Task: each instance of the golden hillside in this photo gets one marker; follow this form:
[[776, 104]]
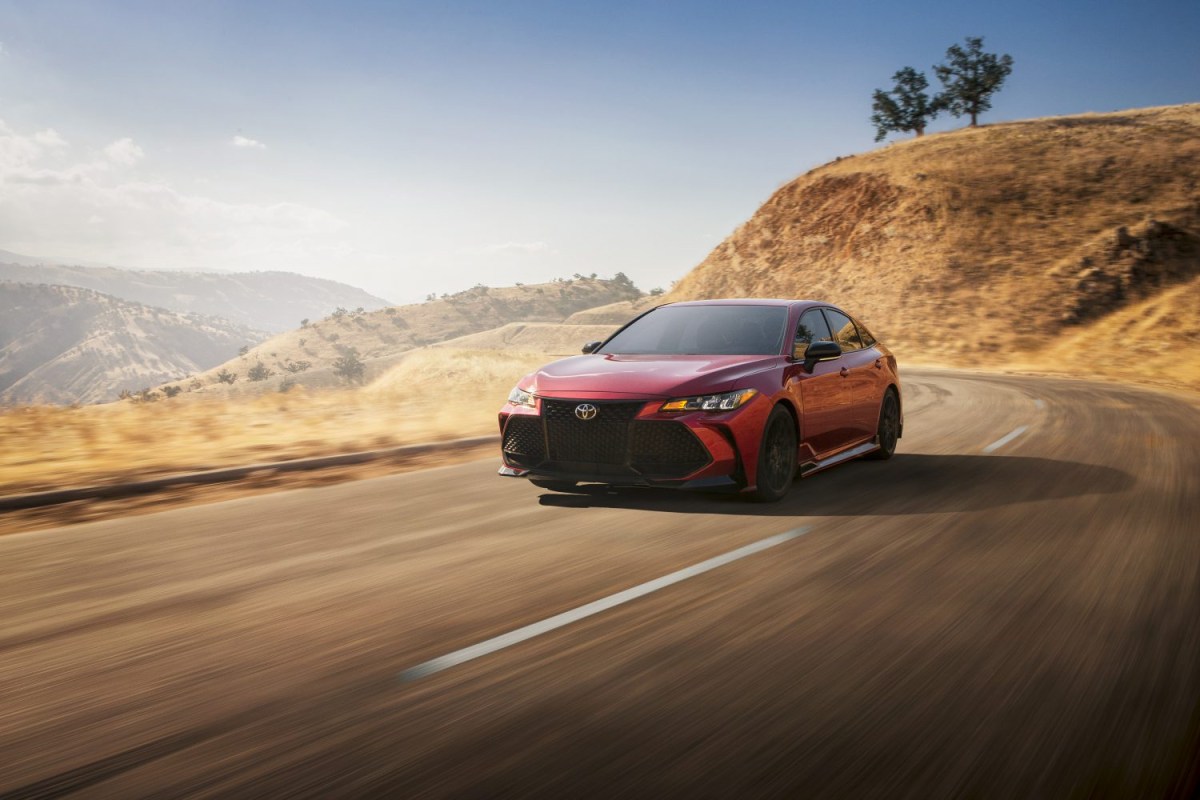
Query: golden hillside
[[382, 338], [1050, 243]]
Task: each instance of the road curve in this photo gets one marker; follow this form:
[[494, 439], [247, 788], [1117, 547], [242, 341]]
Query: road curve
[[1010, 607]]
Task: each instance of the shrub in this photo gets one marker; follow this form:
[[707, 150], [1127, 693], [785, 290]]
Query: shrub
[[297, 366], [243, 350], [349, 367], [286, 385], [259, 372], [171, 391], [225, 376]]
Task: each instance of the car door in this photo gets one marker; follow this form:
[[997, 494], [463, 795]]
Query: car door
[[858, 372], [819, 394]]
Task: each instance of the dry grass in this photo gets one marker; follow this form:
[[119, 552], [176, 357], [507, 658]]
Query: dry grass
[[537, 337], [429, 397]]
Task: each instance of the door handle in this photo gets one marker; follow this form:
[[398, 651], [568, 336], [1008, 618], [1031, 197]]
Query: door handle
[[845, 372], [879, 363]]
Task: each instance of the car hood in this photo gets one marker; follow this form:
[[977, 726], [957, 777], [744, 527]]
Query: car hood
[[617, 376]]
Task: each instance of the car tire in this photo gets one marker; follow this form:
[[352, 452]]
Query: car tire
[[554, 486], [776, 458], [888, 432]]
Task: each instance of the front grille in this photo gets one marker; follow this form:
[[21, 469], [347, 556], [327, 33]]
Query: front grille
[[613, 443], [601, 440], [524, 444], [667, 449]]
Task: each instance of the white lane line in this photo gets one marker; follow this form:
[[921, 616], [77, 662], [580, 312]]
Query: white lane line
[[1005, 439], [603, 604]]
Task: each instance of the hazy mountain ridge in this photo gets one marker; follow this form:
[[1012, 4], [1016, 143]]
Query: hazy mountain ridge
[[380, 339], [1019, 243], [64, 344], [271, 301]]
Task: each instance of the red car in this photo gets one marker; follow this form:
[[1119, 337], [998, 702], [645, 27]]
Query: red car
[[738, 394]]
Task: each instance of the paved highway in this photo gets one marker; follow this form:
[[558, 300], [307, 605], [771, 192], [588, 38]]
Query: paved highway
[[1010, 607]]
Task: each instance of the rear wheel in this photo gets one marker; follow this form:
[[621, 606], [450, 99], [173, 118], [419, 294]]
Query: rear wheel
[[889, 427], [554, 486], [776, 457]]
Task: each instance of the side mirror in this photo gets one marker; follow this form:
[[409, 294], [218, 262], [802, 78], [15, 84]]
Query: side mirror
[[820, 351], [591, 347]]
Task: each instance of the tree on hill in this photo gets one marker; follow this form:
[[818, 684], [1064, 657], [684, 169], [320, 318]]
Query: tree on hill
[[970, 78], [259, 372], [349, 366], [906, 108]]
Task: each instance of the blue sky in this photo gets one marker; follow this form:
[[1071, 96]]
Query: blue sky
[[414, 148]]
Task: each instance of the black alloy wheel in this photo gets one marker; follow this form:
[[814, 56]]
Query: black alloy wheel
[[889, 427], [776, 457]]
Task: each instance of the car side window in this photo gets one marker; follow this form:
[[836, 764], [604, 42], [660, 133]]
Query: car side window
[[844, 332], [867, 339], [812, 328]]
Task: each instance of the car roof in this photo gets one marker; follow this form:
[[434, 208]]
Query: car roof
[[749, 301]]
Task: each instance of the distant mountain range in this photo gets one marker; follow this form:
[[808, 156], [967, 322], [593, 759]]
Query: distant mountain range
[[269, 301], [64, 344]]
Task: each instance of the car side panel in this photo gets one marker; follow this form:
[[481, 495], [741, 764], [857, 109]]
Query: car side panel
[[865, 384], [824, 411]]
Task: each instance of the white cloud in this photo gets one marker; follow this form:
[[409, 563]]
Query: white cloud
[[518, 248], [124, 152], [244, 141], [54, 199]]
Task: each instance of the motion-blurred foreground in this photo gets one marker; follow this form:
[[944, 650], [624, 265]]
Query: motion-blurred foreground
[[429, 396], [954, 622]]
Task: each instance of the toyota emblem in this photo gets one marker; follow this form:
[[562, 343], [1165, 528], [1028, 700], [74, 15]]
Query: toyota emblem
[[585, 411]]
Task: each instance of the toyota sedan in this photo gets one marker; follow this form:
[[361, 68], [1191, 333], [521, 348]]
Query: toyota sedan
[[719, 394]]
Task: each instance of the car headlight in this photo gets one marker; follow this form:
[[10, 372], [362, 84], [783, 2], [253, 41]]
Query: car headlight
[[520, 397], [711, 402]]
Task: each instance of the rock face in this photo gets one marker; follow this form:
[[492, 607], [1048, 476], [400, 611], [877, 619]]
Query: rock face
[[270, 301], [970, 246], [1124, 267], [63, 344]]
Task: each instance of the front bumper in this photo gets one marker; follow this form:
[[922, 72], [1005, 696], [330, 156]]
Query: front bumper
[[627, 443]]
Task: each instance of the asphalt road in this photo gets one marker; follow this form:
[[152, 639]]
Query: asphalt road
[[1018, 620]]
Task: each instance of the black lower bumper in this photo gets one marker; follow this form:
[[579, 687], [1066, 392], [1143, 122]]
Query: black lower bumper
[[711, 484]]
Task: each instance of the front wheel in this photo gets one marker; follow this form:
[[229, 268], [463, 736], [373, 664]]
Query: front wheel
[[554, 486], [889, 427], [776, 457]]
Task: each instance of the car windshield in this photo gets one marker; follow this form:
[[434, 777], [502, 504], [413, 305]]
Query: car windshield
[[703, 330]]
